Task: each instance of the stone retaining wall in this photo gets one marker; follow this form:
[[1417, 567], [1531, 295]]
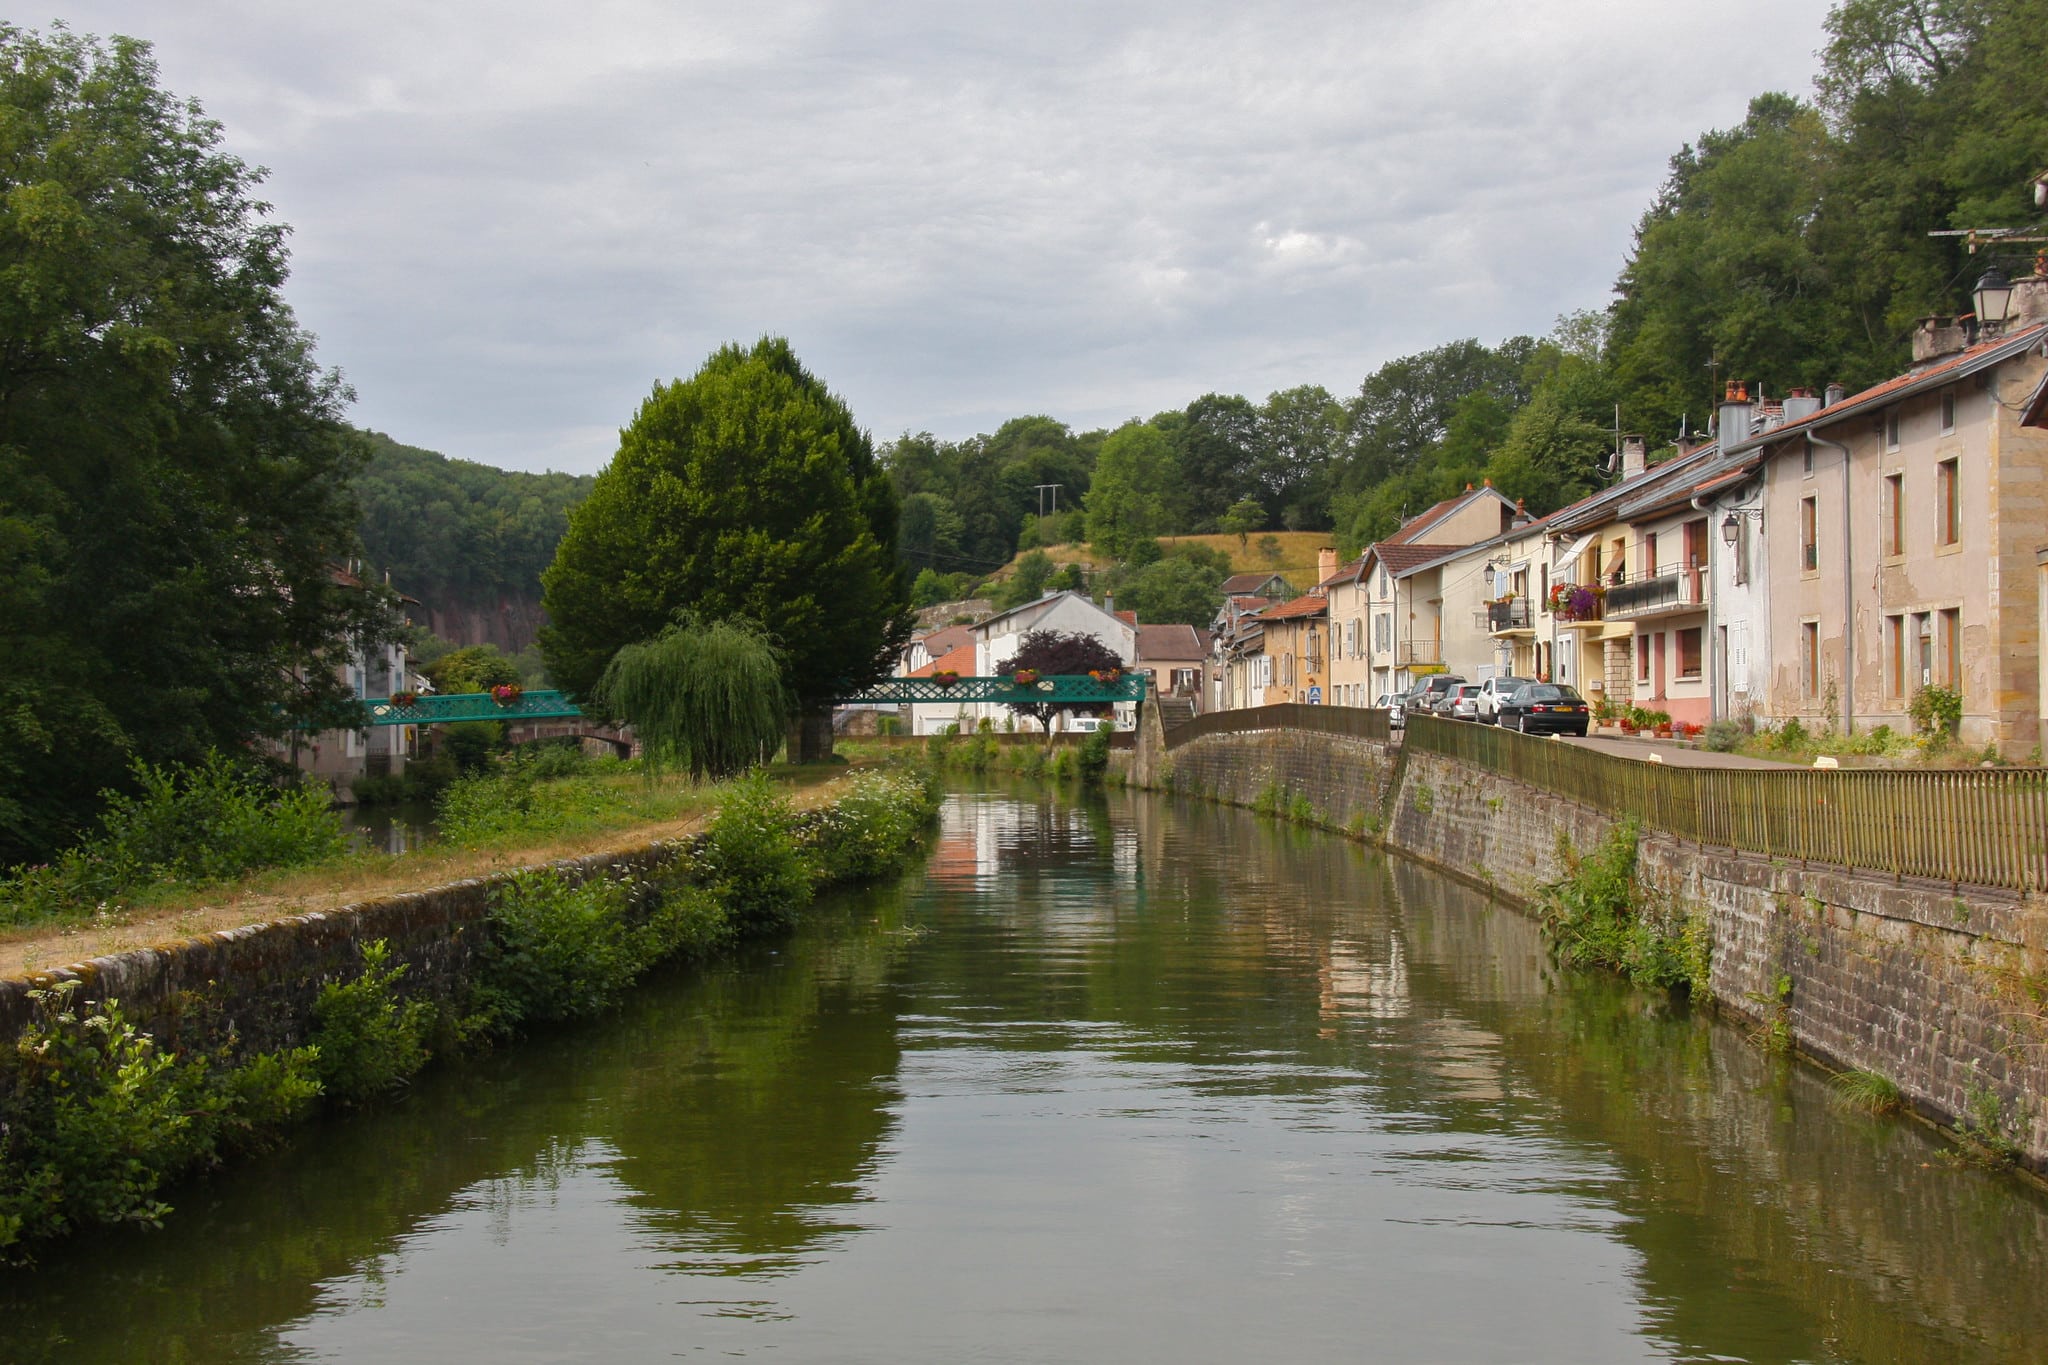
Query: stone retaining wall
[[260, 982], [1937, 987]]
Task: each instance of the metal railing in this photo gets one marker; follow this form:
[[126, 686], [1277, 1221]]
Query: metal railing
[[1985, 827], [1419, 652], [1500, 616], [1355, 721], [1681, 589]]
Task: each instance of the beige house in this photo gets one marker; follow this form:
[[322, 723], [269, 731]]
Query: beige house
[[1904, 524]]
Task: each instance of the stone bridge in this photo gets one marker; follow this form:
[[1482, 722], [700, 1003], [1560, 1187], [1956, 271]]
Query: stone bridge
[[618, 738]]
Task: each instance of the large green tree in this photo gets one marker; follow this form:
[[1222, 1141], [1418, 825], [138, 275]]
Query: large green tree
[[1127, 502], [174, 475], [745, 491]]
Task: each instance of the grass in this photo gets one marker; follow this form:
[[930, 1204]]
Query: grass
[[609, 812], [1868, 1092], [1296, 562]]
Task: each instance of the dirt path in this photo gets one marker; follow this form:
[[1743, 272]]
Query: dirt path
[[278, 895]]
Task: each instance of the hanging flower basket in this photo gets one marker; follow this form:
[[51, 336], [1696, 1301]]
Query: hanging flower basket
[[507, 694], [405, 698], [946, 679], [1105, 676], [1026, 677]]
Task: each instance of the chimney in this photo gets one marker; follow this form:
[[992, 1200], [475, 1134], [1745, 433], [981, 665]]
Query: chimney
[[1731, 423], [1326, 563], [1522, 517], [1635, 457], [2029, 303], [1109, 603], [1935, 336], [1801, 405], [1835, 394]]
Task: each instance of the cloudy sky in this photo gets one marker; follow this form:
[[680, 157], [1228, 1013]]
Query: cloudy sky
[[512, 219]]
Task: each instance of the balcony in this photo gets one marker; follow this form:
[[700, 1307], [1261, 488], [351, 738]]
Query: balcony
[[1506, 618], [1577, 604], [1419, 653], [1671, 593]]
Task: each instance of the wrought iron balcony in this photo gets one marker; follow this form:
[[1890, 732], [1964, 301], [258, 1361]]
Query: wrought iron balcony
[[1414, 652], [1671, 593], [1502, 618]]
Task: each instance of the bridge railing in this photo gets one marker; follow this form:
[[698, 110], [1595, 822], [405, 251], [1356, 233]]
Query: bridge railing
[[444, 708], [1356, 721]]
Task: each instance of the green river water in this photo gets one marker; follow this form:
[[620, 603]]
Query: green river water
[[1124, 1080]]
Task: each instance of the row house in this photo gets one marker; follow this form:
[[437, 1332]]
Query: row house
[[1904, 526]]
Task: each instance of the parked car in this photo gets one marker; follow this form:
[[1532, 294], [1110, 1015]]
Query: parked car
[[1422, 697], [1490, 693], [1461, 702], [1545, 708], [1088, 725]]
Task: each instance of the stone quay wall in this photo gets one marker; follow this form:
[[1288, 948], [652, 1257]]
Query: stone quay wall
[[1936, 986], [258, 984]]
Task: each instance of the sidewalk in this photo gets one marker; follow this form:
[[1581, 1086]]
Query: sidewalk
[[1672, 752]]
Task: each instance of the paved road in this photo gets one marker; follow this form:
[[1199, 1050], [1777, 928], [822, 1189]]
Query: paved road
[[1675, 754]]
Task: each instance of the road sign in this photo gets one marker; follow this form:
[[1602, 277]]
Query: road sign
[[1315, 696]]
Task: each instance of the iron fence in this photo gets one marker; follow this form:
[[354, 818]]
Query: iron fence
[[1982, 826]]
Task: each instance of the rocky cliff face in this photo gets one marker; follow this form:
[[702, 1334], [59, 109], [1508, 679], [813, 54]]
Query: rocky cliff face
[[509, 621]]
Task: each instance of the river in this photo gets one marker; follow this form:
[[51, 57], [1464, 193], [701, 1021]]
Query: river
[[1127, 1080]]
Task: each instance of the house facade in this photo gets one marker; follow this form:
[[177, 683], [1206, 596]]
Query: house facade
[[1904, 525]]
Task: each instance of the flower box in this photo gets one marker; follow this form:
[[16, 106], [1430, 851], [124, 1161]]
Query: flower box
[[946, 679], [405, 698], [507, 694], [1026, 677]]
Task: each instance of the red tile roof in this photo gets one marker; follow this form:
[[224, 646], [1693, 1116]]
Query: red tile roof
[[1400, 558], [1308, 604], [946, 639], [959, 661]]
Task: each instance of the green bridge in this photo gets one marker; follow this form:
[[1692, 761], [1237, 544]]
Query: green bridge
[[445, 708], [1054, 689], [1051, 689]]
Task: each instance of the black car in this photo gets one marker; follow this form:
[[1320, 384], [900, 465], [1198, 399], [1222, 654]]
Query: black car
[[1545, 709]]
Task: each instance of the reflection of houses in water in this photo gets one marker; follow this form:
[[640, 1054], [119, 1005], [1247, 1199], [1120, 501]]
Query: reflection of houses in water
[[1358, 986], [981, 838]]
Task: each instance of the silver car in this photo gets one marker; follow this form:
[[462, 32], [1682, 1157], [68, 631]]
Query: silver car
[[1461, 702]]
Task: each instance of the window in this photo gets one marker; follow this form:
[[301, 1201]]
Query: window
[[1948, 412], [1894, 514], [1806, 460], [1650, 556], [1809, 658], [1891, 429], [1383, 631], [1642, 658], [1895, 656], [1690, 649], [1952, 649], [1947, 504], [1809, 534], [1923, 649]]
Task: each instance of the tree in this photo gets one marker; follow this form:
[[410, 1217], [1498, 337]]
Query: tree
[[174, 473], [744, 491], [1056, 651], [1178, 589], [473, 668], [705, 695], [1241, 519], [1127, 501]]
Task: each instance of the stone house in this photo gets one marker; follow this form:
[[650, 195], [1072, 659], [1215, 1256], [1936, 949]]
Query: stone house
[[1905, 524]]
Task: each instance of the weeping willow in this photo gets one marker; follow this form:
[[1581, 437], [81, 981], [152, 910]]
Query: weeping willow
[[706, 696]]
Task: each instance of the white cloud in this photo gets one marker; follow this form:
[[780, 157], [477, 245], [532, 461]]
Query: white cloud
[[512, 219]]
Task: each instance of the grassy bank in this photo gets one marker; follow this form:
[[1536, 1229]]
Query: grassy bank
[[211, 852], [98, 1118]]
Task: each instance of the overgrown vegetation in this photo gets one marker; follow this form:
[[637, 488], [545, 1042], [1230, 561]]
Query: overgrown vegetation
[[1594, 917], [1868, 1092], [180, 825], [96, 1119]]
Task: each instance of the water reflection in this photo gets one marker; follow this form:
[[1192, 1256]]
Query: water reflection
[[392, 829], [1110, 1080]]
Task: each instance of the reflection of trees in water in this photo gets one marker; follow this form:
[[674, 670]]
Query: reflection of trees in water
[[797, 1046]]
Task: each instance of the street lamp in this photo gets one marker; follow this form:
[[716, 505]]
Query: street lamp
[[1994, 298], [1731, 527]]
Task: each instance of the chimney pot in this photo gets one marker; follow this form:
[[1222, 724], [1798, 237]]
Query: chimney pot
[[1635, 456]]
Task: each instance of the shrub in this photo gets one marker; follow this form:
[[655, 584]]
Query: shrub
[[1591, 917], [369, 1042], [183, 824], [1937, 712], [869, 831], [1723, 736], [1790, 736], [1093, 760], [556, 950], [1868, 1091], [95, 1119], [751, 860]]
